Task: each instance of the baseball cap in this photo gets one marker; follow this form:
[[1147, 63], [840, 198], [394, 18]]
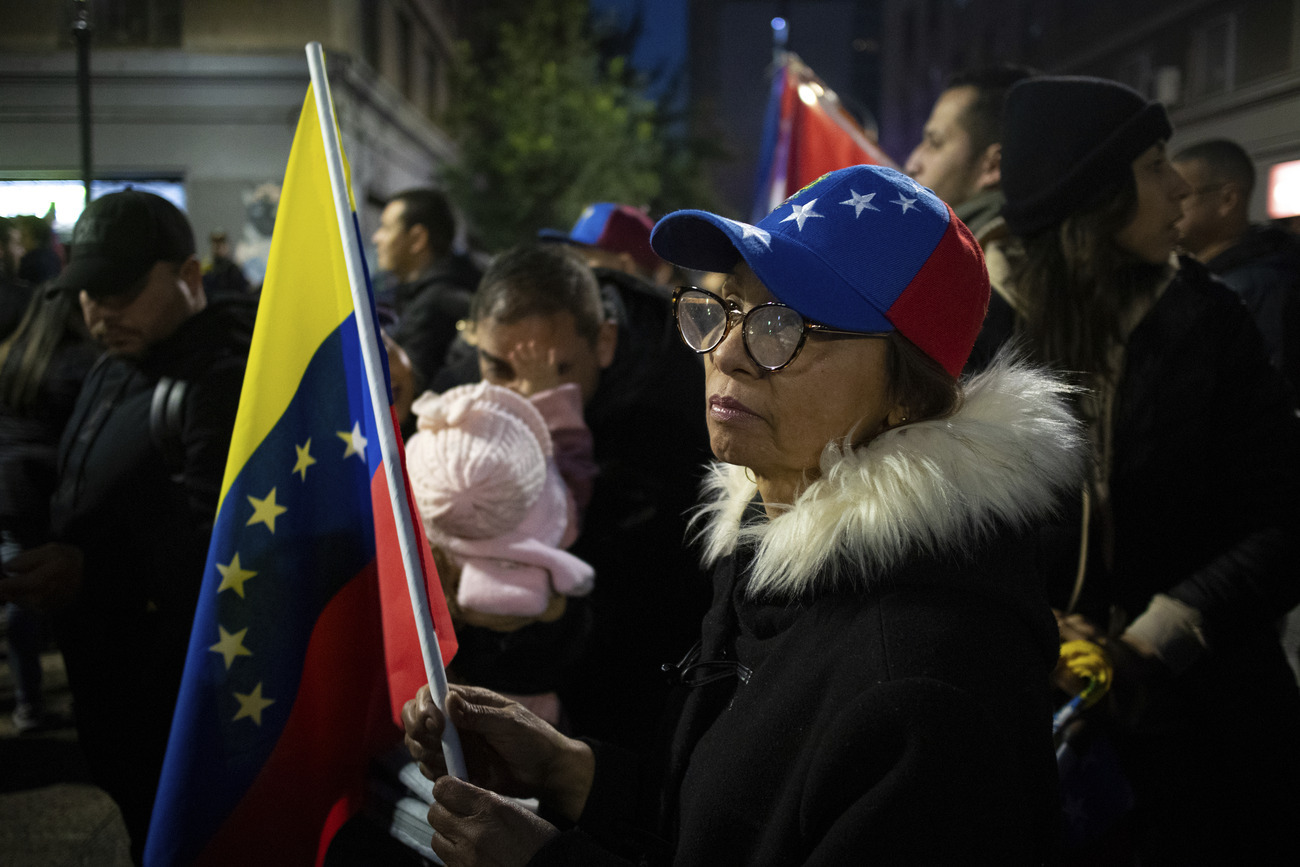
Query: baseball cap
[[613, 227], [119, 238], [863, 248]]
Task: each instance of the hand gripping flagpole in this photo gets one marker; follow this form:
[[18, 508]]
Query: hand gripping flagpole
[[406, 536]]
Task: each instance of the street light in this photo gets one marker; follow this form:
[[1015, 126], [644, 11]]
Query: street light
[[81, 36]]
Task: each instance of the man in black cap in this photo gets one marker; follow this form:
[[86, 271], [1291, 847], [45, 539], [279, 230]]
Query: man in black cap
[[140, 470]]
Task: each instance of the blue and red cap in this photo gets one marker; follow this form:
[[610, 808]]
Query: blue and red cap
[[613, 227], [864, 248]]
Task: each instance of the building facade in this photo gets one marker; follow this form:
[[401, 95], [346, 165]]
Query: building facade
[[1225, 68], [206, 94]]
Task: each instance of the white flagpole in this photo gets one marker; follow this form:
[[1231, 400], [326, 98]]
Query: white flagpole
[[406, 534]]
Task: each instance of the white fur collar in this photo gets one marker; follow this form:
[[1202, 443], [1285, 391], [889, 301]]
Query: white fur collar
[[936, 486]]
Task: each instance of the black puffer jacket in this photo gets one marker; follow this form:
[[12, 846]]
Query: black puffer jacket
[[143, 521]]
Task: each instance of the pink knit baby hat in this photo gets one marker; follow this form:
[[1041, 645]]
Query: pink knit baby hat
[[477, 461]]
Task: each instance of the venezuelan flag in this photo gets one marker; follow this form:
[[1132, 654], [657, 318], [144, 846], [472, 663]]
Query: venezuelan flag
[[806, 133], [304, 607]]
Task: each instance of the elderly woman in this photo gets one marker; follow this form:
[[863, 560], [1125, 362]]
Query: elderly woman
[[872, 675]]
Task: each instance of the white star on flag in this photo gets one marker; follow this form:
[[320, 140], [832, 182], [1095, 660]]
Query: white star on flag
[[747, 231], [904, 202], [860, 203], [800, 213], [356, 442]]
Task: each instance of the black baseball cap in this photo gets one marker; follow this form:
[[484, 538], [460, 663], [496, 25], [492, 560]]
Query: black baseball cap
[[119, 238]]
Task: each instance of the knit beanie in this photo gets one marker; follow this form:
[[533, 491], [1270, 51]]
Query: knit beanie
[[478, 460], [1066, 137]]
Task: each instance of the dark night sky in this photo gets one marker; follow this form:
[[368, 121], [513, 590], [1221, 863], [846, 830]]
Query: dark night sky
[[722, 51]]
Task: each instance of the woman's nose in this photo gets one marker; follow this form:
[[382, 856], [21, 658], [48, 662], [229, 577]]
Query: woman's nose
[[730, 352]]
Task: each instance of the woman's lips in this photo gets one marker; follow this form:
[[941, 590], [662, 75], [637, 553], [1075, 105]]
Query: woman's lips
[[729, 409]]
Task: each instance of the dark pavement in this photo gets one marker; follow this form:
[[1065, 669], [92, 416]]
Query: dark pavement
[[50, 814]]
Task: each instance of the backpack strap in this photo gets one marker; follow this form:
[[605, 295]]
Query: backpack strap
[[166, 416]]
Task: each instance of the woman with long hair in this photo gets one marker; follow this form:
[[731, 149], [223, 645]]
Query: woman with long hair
[[1185, 553], [42, 365]]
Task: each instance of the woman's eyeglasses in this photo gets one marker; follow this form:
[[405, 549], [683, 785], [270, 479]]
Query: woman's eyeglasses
[[773, 333]]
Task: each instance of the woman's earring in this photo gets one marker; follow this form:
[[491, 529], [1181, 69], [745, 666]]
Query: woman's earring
[[749, 474]]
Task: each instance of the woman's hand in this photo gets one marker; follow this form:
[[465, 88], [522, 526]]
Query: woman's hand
[[476, 828], [508, 750], [1140, 678], [1073, 627]]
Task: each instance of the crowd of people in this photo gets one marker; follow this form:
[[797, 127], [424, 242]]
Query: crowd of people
[[761, 541]]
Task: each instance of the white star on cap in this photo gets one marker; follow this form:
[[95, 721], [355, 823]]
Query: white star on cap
[[800, 213], [860, 203], [747, 231], [904, 202]]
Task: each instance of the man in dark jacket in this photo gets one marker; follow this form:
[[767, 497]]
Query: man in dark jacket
[[1260, 262], [139, 472], [959, 157], [223, 275], [434, 285]]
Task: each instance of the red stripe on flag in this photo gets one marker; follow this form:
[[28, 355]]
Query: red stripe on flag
[[819, 145], [405, 662], [294, 808]]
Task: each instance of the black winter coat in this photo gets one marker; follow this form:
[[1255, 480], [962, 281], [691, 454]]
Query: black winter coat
[[1205, 500], [1206, 497], [428, 309], [872, 686], [139, 500]]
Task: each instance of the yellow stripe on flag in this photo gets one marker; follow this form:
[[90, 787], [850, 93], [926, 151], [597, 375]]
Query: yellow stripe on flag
[[306, 283]]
